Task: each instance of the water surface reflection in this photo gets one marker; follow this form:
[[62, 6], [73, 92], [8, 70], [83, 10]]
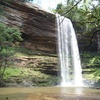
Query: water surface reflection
[[68, 93], [49, 93]]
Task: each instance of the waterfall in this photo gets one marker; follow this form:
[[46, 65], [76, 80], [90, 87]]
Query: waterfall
[[69, 59]]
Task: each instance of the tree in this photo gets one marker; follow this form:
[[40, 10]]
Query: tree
[[9, 38], [85, 18]]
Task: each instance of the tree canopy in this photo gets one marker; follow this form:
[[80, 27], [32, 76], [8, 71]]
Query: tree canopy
[[9, 35], [84, 15]]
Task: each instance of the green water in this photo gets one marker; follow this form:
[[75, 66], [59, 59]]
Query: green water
[[50, 93]]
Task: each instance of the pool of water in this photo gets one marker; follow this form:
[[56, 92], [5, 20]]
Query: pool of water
[[50, 93]]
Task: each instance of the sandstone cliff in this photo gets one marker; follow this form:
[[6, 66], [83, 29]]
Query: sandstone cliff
[[37, 26]]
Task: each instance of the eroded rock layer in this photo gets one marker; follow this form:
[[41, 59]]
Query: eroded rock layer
[[37, 26]]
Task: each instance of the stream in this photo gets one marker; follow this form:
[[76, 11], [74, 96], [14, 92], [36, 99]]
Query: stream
[[50, 93]]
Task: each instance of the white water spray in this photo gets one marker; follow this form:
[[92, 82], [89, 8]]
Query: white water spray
[[71, 72]]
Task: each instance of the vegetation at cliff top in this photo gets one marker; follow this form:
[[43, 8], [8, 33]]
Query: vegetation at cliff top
[[85, 18]]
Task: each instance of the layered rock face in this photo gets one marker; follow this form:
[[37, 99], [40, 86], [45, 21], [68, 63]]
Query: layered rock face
[[37, 26]]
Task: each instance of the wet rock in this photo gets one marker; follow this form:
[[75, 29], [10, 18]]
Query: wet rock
[[26, 84]]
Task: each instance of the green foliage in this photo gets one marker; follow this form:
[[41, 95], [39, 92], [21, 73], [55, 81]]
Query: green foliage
[[86, 4], [59, 8], [91, 61], [7, 51], [97, 73], [95, 60], [86, 21], [10, 72], [85, 17], [9, 37]]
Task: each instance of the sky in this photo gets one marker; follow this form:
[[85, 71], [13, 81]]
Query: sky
[[47, 4], [50, 4]]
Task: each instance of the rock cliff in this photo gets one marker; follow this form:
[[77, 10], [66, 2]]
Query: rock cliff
[[37, 26]]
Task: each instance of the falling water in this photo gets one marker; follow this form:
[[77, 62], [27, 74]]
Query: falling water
[[71, 72]]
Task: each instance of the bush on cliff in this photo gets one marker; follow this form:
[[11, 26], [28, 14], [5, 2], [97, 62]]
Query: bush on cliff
[[9, 38]]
